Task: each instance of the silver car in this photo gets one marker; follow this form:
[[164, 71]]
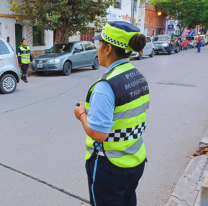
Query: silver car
[[147, 51], [67, 56], [9, 71]]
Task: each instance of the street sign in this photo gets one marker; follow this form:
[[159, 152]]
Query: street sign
[[191, 33], [170, 26]]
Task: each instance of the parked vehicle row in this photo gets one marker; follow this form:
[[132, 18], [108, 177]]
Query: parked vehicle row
[[192, 40], [67, 56]]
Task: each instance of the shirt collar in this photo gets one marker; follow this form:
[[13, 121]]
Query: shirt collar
[[121, 61]]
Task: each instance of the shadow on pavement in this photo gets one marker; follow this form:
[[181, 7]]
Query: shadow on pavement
[[59, 73]]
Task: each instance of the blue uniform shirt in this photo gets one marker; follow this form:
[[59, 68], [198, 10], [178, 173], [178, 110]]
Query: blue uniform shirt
[[102, 104]]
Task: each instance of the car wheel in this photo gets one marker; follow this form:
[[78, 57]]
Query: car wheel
[[177, 50], [170, 50], [67, 68], [96, 65], [8, 83], [152, 54], [139, 57]]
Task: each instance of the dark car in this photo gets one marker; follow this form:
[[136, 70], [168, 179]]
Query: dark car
[[166, 43], [67, 56]]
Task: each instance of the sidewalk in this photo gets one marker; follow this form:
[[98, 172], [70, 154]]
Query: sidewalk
[[187, 190]]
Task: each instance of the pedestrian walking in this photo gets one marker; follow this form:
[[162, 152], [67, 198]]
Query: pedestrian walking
[[114, 119], [24, 58], [199, 42]]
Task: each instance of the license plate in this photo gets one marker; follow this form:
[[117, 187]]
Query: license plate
[[39, 65]]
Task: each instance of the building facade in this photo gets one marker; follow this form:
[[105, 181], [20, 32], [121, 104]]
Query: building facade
[[172, 27], [13, 32], [154, 24]]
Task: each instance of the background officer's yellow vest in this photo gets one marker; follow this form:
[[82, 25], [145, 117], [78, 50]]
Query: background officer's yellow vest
[[25, 54], [124, 146]]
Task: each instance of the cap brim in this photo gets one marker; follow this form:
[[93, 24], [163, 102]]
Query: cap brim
[[97, 37]]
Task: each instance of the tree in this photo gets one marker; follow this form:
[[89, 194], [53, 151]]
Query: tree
[[66, 17], [189, 13]]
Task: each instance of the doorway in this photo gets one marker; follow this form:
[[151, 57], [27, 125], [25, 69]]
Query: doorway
[[18, 35]]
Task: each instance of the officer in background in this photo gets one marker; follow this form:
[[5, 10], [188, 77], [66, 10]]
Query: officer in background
[[24, 58], [199, 42], [114, 119]]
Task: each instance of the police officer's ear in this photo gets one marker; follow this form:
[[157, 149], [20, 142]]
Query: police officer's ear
[[108, 49]]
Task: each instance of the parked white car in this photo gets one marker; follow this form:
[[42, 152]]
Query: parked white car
[[147, 51], [9, 71]]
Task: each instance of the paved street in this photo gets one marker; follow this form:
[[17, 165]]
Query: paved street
[[41, 137]]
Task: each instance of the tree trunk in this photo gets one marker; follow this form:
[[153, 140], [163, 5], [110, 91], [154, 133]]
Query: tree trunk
[[61, 36]]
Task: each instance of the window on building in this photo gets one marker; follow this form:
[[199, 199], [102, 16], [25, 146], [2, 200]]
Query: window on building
[[3, 48], [117, 4], [160, 31], [38, 37]]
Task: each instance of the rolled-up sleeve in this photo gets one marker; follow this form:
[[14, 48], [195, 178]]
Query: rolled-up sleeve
[[102, 104]]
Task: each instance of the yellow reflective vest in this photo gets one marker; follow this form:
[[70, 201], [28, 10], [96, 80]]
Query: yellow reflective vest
[[25, 54], [124, 145]]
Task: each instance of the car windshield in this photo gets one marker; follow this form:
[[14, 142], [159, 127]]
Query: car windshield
[[60, 48], [161, 38], [190, 38]]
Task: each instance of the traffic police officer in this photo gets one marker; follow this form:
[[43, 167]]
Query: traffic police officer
[[24, 58], [199, 42], [114, 119]]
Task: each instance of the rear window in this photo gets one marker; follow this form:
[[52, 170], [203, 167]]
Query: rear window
[[88, 46], [190, 37], [161, 38], [94, 46], [3, 48]]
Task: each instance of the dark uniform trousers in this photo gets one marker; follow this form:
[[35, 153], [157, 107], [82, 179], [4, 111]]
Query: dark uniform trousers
[[110, 185], [24, 68]]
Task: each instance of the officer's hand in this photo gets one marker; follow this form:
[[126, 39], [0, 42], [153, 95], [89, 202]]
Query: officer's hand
[[79, 110]]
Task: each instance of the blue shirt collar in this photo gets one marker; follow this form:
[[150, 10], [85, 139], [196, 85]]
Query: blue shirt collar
[[121, 61]]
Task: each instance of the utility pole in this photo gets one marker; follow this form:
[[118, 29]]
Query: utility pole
[[132, 12]]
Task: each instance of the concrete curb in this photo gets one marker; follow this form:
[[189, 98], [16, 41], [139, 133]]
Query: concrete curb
[[188, 186]]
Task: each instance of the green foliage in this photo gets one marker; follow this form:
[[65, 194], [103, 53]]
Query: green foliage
[[189, 13], [65, 16]]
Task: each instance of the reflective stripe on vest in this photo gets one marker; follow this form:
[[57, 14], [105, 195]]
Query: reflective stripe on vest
[[124, 145], [25, 55]]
